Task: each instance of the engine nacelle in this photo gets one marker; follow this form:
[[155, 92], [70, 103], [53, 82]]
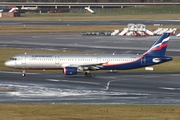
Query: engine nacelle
[[70, 70]]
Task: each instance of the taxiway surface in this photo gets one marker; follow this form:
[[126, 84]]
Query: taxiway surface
[[78, 42], [106, 88], [114, 22]]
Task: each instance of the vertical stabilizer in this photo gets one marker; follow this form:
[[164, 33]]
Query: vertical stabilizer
[[159, 47]]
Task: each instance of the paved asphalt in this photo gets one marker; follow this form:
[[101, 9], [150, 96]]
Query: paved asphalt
[[78, 42], [119, 22], [124, 88]]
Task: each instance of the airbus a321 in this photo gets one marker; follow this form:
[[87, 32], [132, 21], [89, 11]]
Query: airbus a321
[[72, 64]]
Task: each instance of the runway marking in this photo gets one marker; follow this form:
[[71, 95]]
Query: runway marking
[[53, 80], [166, 88], [108, 83], [106, 77], [92, 83]]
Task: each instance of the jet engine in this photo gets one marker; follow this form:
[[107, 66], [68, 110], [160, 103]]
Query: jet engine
[[70, 70]]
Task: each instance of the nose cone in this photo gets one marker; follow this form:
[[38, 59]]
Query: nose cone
[[7, 64]]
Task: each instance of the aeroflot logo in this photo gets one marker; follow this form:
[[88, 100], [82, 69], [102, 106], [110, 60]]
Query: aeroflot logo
[[163, 42], [41, 55], [159, 46]]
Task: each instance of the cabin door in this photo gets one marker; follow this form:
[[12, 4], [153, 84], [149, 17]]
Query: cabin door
[[56, 60], [24, 59], [98, 60]]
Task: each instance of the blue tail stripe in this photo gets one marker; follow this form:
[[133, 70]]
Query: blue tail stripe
[[159, 47]]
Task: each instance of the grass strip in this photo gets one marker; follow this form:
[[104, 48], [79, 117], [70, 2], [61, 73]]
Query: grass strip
[[2, 89], [93, 17], [15, 29], [6, 89], [56, 29], [88, 112]]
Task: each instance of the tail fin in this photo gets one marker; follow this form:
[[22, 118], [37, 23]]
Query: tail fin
[[159, 47]]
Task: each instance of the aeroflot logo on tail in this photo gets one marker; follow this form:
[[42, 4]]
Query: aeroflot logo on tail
[[41, 55], [162, 44], [159, 46]]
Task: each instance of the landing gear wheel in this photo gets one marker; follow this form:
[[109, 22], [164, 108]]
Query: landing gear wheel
[[87, 74], [23, 74]]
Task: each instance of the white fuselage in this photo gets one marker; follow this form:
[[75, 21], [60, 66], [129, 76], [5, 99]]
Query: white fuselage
[[59, 61]]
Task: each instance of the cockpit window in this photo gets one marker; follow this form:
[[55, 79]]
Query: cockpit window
[[13, 58]]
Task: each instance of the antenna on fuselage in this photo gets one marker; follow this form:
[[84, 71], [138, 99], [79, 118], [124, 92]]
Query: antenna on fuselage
[[25, 53]]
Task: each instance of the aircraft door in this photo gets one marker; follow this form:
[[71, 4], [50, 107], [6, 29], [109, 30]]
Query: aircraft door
[[143, 61], [24, 59], [56, 60], [98, 60]]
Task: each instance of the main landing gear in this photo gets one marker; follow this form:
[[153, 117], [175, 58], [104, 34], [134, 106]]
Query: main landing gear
[[87, 74], [23, 73]]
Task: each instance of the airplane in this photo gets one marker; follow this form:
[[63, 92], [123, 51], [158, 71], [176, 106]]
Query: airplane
[[72, 64], [89, 9]]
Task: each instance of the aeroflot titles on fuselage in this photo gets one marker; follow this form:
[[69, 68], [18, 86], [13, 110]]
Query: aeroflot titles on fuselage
[[41, 55]]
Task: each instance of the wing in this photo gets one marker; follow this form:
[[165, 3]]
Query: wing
[[85, 66], [92, 66]]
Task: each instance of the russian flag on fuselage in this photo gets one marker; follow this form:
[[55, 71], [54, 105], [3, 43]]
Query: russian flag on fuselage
[[159, 47]]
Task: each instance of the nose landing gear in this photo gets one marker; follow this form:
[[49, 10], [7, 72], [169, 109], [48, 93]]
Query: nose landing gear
[[23, 73]]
